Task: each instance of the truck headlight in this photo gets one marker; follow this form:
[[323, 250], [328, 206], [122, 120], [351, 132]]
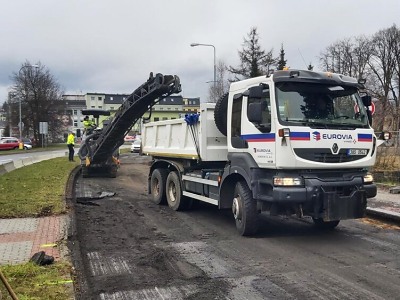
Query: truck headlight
[[288, 181], [368, 178]]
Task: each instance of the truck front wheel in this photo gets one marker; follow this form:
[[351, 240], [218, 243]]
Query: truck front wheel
[[157, 185], [244, 210], [325, 225]]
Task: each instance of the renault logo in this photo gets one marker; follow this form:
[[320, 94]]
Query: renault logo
[[335, 148]]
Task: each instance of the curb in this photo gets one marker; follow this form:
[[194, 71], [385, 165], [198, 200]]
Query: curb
[[70, 225], [19, 163], [383, 214]]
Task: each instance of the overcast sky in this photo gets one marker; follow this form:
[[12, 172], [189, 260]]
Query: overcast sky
[[111, 46]]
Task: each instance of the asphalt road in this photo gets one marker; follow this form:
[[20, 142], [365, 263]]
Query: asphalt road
[[125, 247]]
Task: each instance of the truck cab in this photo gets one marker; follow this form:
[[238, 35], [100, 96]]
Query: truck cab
[[303, 143]]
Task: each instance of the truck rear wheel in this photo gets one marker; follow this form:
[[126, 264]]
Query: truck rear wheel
[[325, 225], [244, 210], [157, 185], [175, 198]]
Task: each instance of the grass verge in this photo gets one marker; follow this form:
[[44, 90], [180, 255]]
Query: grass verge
[[30, 281], [35, 190]]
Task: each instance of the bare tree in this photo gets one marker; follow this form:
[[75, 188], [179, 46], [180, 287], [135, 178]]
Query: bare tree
[[348, 57], [39, 95], [382, 65], [216, 91]]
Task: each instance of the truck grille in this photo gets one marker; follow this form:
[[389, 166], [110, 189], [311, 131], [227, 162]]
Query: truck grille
[[326, 156]]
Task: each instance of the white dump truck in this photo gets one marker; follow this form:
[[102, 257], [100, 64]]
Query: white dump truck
[[294, 142]]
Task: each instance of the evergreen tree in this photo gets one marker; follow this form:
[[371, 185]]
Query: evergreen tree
[[253, 60], [282, 61]]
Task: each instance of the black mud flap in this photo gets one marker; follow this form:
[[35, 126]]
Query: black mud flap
[[336, 207]]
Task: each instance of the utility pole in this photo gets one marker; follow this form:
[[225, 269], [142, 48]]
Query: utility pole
[[9, 114]]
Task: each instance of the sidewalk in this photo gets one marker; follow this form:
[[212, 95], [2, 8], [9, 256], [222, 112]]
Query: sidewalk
[[385, 205], [21, 238]]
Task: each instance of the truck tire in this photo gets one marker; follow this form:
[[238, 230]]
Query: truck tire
[[244, 210], [221, 113], [325, 225], [175, 198], [157, 184]]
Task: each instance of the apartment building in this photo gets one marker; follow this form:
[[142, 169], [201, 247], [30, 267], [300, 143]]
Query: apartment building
[[169, 108]]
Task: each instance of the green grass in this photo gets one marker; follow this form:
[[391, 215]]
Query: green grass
[[33, 282], [35, 190]]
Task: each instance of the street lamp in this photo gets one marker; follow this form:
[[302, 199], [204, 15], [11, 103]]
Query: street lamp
[[215, 65], [20, 110]]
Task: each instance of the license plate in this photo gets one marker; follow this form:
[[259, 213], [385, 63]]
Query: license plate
[[357, 151]]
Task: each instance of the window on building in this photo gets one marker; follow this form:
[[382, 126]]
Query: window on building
[[99, 98], [93, 106], [165, 118], [112, 108], [75, 112], [176, 108], [75, 123], [92, 98], [169, 108], [156, 119], [100, 107], [161, 108]]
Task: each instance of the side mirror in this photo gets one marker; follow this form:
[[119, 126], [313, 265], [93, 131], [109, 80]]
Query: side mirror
[[366, 99], [254, 113], [256, 92], [369, 115]]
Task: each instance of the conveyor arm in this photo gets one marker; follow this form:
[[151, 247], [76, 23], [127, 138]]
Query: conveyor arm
[[101, 146]]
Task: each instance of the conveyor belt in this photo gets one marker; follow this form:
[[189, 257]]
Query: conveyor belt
[[102, 147]]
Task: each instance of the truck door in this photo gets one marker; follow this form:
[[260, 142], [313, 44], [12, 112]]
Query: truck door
[[252, 127]]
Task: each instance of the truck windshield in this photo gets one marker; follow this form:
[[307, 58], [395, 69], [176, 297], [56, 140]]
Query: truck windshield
[[320, 105]]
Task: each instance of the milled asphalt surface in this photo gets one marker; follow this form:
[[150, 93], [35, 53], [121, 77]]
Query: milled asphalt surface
[[20, 238]]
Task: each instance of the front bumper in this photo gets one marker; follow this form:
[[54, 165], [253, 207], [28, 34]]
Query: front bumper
[[370, 190], [329, 200]]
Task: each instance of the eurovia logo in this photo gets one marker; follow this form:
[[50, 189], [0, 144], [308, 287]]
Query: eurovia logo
[[316, 135]]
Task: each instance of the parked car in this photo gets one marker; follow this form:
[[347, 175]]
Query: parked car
[[27, 141], [129, 138], [136, 146], [10, 143]]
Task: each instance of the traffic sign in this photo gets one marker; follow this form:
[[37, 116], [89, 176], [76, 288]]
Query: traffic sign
[[371, 108]]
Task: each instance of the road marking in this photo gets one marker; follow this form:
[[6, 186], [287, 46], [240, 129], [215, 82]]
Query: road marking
[[164, 293], [201, 255], [102, 265]]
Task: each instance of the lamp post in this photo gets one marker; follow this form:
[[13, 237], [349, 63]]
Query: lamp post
[[215, 65], [20, 108]]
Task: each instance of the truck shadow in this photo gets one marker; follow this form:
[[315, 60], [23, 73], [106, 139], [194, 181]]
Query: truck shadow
[[269, 226]]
